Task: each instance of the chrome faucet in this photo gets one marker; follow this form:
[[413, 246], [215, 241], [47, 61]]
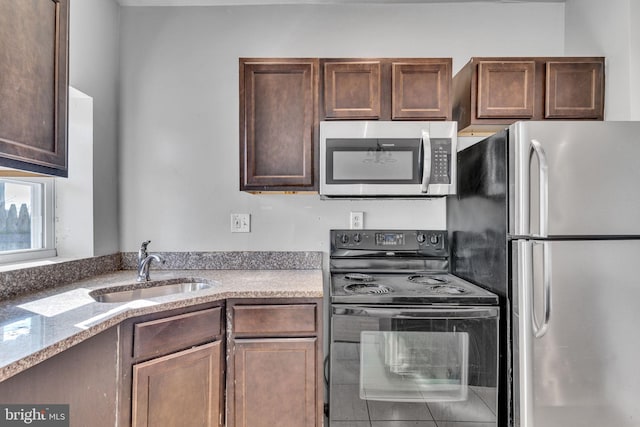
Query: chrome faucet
[[144, 262]]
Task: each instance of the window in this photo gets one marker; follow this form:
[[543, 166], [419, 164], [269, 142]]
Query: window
[[26, 219]]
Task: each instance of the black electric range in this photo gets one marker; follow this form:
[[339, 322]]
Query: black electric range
[[397, 267], [407, 340]]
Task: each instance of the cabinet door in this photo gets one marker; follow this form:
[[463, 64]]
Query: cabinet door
[[352, 90], [574, 90], [506, 89], [277, 122], [34, 85], [421, 91], [275, 383], [180, 389]]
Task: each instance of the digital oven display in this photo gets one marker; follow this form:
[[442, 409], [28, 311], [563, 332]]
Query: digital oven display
[[389, 239]]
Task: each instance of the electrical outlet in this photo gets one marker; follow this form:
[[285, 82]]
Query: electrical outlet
[[240, 223], [357, 220]]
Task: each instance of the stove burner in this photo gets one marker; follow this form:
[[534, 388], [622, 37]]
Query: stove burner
[[448, 289], [426, 279], [359, 277], [366, 288]]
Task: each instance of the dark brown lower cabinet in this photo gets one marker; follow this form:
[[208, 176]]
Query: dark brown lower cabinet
[[275, 382], [172, 368], [178, 390], [169, 369], [85, 377], [274, 363]]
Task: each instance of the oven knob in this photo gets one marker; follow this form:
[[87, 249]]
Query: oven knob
[[434, 239], [357, 237], [344, 239], [421, 237]]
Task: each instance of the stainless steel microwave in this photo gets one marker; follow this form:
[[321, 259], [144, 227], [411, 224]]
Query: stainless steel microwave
[[384, 158]]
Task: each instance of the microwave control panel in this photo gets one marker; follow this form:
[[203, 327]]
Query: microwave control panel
[[440, 161]]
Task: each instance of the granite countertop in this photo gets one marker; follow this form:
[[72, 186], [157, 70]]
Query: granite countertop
[[40, 325]]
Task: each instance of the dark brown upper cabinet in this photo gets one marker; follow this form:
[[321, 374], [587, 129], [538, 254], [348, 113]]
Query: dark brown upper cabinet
[[421, 90], [505, 89], [574, 90], [352, 90], [386, 89], [491, 93], [278, 124], [34, 85]]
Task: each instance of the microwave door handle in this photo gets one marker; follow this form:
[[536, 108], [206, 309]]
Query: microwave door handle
[[426, 161]]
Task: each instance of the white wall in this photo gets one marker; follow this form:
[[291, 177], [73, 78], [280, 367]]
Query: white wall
[[634, 53], [179, 148], [74, 194], [609, 29], [93, 69]]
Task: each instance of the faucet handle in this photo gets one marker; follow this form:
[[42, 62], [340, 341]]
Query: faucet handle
[[142, 253]]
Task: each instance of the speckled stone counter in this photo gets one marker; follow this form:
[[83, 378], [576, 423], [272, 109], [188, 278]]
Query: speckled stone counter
[[39, 325]]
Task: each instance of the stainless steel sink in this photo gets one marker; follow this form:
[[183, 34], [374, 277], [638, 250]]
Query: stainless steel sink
[[156, 288]]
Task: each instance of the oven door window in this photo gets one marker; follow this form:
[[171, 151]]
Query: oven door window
[[414, 366], [374, 161]]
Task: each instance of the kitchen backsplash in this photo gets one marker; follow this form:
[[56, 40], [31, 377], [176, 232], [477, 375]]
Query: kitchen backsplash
[[258, 260], [32, 279]]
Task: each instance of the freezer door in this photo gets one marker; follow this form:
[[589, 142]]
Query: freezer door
[[581, 368], [590, 176]]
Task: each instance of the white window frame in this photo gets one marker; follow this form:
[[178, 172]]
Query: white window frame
[[46, 201]]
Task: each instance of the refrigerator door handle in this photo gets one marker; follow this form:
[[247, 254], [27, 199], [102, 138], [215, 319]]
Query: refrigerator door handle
[[426, 161], [539, 329], [528, 327], [525, 336], [543, 171]]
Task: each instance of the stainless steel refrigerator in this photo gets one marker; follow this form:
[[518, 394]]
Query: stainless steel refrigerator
[[547, 216]]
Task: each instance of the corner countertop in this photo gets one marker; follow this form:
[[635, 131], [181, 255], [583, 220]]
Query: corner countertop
[[38, 326]]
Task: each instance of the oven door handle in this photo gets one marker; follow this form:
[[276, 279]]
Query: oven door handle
[[422, 312]]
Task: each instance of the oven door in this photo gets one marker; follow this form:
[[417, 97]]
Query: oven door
[[418, 363]]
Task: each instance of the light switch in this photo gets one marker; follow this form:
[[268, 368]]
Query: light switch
[[240, 223]]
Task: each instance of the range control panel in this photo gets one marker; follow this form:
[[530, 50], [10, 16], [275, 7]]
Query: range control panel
[[420, 242]]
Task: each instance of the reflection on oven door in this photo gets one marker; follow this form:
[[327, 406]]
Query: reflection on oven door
[[414, 366]]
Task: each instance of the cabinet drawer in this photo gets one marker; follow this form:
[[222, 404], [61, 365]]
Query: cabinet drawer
[[170, 334], [274, 320]]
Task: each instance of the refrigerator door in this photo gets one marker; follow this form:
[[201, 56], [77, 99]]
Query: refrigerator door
[[581, 368], [574, 179]]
